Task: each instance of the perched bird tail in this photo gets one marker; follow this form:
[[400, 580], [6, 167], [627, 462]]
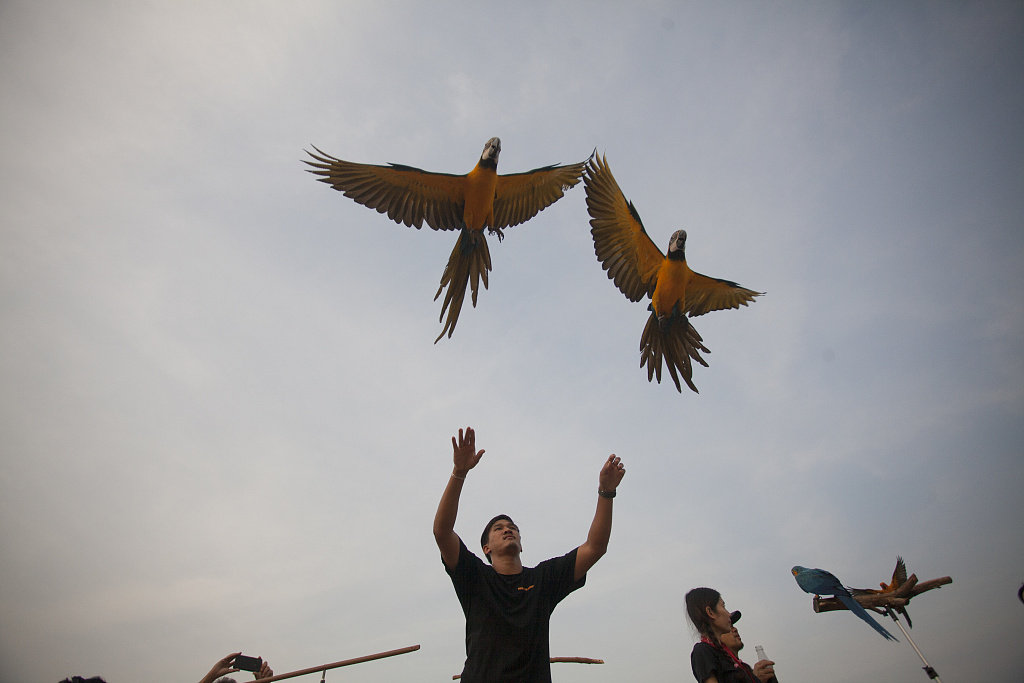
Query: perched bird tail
[[675, 340], [855, 607], [469, 263]]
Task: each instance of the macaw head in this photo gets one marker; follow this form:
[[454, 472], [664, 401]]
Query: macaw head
[[798, 570], [491, 151], [677, 245]]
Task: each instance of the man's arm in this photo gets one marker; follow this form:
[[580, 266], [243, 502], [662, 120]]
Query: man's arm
[[601, 528], [465, 457]]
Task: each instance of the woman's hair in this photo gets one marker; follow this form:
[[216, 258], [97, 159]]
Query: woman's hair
[[697, 600]]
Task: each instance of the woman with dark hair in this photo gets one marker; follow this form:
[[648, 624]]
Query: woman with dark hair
[[711, 661]]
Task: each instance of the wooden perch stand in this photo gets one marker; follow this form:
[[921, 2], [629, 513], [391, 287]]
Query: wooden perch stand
[[335, 665], [554, 660], [878, 601]]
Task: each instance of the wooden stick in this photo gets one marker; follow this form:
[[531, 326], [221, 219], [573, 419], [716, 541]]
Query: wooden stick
[[576, 660], [335, 665], [556, 660], [877, 601]]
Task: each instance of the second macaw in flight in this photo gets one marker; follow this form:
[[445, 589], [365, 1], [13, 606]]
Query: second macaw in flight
[[821, 582], [639, 269], [468, 203]]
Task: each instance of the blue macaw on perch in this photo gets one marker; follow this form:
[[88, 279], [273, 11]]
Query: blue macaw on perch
[[821, 582]]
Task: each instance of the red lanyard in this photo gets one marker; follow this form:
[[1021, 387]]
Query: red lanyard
[[737, 662]]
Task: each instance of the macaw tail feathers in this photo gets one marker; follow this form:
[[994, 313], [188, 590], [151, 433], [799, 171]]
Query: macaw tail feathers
[[468, 264], [906, 615], [675, 340], [855, 607]]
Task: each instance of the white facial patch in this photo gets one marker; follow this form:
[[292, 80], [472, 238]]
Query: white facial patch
[[492, 149]]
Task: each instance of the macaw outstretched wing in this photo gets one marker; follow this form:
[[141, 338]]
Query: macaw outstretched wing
[[521, 196], [406, 194], [705, 294], [622, 244]]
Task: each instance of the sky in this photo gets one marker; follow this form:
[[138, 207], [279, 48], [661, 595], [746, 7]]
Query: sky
[[224, 424]]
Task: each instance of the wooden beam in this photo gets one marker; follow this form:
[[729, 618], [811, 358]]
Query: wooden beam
[[555, 660], [335, 665]]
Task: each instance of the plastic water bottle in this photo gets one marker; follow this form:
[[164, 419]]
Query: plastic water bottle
[[760, 653]]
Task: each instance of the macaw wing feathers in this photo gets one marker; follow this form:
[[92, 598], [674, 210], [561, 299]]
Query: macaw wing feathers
[[521, 196], [622, 244], [705, 294], [899, 574], [406, 194]]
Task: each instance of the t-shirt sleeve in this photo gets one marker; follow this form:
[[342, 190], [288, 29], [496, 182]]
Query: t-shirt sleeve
[[559, 572], [463, 575], [704, 663], [466, 565]]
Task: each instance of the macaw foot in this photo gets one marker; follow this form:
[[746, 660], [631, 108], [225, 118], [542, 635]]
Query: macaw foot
[[498, 232]]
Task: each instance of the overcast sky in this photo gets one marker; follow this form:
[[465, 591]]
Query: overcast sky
[[224, 424]]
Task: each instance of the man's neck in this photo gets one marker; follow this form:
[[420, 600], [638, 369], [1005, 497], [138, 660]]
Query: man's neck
[[506, 564]]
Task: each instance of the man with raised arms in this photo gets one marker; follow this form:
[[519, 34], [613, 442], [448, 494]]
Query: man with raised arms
[[508, 606]]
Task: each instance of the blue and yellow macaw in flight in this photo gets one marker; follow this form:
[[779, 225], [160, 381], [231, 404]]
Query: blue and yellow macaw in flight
[[639, 269], [821, 582], [468, 203]]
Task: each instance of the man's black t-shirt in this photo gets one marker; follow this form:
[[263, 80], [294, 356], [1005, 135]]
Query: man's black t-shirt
[[507, 616]]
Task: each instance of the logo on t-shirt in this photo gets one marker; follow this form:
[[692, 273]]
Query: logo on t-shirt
[[525, 588]]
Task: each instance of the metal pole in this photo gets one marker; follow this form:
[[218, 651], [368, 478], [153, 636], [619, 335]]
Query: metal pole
[[927, 667]]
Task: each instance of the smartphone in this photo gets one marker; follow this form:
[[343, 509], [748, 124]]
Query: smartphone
[[247, 663]]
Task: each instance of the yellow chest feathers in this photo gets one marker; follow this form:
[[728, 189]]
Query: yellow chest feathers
[[481, 184], [673, 276]]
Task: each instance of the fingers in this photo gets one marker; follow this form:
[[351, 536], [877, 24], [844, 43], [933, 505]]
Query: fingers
[[612, 472], [227, 661], [467, 439], [614, 464]]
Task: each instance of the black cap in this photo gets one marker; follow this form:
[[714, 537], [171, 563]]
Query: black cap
[[734, 617]]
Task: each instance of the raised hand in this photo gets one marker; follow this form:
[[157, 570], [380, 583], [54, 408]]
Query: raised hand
[[612, 473], [465, 454]]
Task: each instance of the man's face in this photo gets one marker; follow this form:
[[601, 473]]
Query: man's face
[[503, 534], [731, 639]]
